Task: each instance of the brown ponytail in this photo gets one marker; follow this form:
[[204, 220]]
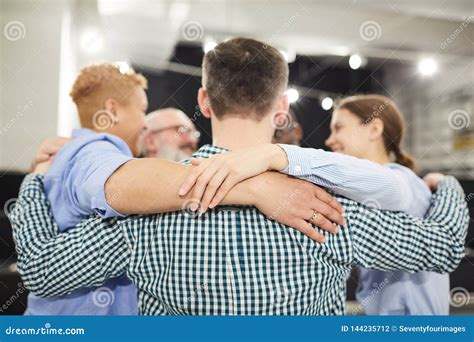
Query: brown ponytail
[[369, 107], [404, 158]]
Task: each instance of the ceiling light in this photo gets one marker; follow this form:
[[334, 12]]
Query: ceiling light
[[355, 62], [293, 95], [327, 103], [427, 66]]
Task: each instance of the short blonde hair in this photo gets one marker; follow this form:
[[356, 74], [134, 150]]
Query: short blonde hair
[[98, 82]]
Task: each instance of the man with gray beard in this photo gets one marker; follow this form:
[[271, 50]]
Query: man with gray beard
[[170, 135]]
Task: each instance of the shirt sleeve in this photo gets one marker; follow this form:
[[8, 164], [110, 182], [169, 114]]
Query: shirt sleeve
[[361, 180], [435, 243], [93, 165], [53, 263]]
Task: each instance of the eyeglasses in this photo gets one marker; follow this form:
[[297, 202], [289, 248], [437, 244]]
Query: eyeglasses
[[180, 130]]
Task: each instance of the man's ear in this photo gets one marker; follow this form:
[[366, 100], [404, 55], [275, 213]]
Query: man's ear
[[376, 128], [284, 103], [280, 116], [204, 104]]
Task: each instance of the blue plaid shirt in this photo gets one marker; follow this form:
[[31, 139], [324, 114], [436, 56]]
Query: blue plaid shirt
[[232, 260]]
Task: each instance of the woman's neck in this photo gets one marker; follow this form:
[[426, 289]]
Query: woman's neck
[[379, 155], [383, 159]]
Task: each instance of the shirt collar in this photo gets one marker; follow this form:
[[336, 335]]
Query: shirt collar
[[207, 151]]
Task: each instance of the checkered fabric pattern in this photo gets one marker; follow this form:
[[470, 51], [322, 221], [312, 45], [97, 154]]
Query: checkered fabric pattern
[[232, 260]]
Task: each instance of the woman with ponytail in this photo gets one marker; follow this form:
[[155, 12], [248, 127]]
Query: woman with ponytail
[[372, 127]]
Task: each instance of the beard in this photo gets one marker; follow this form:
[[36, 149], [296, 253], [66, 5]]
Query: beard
[[174, 153]]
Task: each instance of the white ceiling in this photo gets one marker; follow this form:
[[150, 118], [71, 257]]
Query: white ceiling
[[146, 30]]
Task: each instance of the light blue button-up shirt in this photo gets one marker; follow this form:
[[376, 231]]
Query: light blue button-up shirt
[[391, 187], [74, 186]]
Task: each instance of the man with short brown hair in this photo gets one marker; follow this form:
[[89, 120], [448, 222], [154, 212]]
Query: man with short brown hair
[[241, 76]]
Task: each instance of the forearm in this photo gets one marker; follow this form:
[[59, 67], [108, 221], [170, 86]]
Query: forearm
[[449, 210], [148, 185], [249, 191], [27, 233], [445, 227], [361, 180], [53, 263], [407, 243]]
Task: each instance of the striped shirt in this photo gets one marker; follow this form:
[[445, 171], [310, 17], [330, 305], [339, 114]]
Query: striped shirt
[[378, 186], [232, 260]]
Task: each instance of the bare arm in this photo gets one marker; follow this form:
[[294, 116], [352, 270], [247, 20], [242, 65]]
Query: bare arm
[[148, 185]]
